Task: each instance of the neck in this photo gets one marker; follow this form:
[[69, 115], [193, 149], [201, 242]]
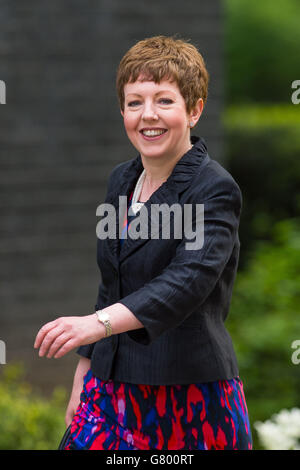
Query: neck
[[158, 170]]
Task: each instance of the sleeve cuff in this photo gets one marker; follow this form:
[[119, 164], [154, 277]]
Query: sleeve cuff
[[86, 351]]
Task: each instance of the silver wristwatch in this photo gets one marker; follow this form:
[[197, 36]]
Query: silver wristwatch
[[104, 318]]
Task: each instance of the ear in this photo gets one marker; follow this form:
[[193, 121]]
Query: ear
[[122, 112], [196, 112]]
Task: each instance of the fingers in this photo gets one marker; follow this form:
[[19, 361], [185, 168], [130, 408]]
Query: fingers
[[59, 337], [57, 343], [66, 347], [43, 332], [48, 338]]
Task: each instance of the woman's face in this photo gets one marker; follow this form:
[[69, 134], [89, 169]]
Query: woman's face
[[156, 120]]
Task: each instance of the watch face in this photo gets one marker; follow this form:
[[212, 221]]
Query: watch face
[[104, 316]]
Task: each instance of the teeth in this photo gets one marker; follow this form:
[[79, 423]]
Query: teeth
[[153, 132]]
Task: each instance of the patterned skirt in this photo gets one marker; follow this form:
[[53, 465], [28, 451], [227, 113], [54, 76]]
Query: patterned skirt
[[123, 416]]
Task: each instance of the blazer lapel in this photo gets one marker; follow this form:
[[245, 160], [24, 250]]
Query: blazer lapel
[[122, 190], [165, 194]]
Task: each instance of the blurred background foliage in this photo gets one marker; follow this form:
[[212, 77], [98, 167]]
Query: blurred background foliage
[[264, 321], [262, 142], [29, 421], [262, 50], [262, 152]]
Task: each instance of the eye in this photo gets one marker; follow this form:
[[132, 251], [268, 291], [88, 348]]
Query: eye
[[131, 104], [165, 101]]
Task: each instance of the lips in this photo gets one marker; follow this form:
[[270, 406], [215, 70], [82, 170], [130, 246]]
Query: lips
[[152, 133]]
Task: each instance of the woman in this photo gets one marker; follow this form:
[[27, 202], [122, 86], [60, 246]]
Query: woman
[[158, 369]]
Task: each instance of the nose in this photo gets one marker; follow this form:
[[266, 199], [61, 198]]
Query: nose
[[149, 111]]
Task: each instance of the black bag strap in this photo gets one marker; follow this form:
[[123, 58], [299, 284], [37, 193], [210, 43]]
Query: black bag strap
[[65, 437]]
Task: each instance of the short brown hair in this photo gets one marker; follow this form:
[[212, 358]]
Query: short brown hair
[[160, 58]]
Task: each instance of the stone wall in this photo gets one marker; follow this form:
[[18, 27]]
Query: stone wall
[[61, 134]]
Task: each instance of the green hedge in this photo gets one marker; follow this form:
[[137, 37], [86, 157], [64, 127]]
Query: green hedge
[[257, 117], [262, 52], [262, 146], [264, 321], [28, 421], [262, 153]]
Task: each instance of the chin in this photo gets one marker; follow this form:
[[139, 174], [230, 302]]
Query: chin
[[149, 152], [153, 154]]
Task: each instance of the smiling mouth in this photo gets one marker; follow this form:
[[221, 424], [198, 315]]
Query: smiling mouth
[[152, 132]]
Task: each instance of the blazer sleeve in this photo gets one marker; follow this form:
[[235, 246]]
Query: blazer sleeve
[[87, 350], [168, 299]]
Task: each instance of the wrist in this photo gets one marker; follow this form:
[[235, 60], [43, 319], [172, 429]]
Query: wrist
[[103, 317], [99, 327]]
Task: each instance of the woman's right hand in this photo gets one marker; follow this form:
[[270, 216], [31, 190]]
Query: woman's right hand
[[81, 370]]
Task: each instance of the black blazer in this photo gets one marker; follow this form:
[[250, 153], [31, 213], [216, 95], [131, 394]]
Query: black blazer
[[181, 296]]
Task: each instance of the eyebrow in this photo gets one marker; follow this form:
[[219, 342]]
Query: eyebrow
[[158, 93]]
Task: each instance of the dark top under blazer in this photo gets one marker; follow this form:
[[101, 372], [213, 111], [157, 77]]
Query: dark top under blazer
[[181, 296]]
